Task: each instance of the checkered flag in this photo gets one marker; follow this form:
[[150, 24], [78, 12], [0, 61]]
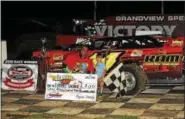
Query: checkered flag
[[116, 81]]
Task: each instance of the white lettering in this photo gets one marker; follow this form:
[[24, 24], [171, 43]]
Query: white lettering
[[176, 18], [21, 69], [170, 18], [160, 18], [110, 29], [18, 62], [118, 18], [115, 31], [139, 18], [156, 28], [142, 28], [8, 62], [102, 31], [181, 18], [130, 29], [30, 62], [169, 30]]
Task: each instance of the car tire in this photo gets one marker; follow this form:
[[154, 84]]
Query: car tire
[[138, 78]]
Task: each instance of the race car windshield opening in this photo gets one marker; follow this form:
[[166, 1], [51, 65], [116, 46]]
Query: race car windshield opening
[[139, 42], [126, 42]]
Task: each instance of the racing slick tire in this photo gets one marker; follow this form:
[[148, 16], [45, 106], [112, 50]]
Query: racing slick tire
[[135, 77]]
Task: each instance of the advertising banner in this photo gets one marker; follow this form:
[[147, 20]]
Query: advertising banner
[[171, 25], [19, 75], [63, 86]]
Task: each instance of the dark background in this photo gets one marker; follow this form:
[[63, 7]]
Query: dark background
[[16, 15], [15, 12], [67, 10]]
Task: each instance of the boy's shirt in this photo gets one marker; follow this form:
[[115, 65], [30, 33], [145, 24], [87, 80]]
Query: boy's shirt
[[100, 68]]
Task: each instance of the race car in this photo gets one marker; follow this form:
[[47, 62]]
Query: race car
[[145, 59]]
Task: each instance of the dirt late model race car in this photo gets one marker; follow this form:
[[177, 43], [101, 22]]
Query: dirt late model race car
[[145, 59]]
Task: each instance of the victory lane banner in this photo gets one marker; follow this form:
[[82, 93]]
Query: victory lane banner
[[19, 75], [169, 24], [64, 86]]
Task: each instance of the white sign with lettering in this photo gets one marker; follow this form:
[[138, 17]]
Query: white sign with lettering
[[19, 75], [62, 86]]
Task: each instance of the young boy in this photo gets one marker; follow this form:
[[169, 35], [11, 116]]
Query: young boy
[[100, 71]]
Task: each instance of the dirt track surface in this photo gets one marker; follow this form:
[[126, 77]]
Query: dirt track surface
[[152, 103]]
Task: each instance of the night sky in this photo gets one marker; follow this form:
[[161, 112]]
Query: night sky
[[81, 9], [64, 12]]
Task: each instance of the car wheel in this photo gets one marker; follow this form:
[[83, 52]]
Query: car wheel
[[135, 79]]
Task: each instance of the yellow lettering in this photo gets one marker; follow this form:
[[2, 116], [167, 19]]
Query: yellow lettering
[[177, 42], [172, 59]]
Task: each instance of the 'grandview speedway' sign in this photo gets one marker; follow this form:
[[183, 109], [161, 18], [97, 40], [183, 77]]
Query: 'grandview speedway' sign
[[118, 25], [19, 75], [63, 86]]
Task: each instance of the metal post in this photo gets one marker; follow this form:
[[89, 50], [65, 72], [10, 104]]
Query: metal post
[[162, 7], [95, 10]]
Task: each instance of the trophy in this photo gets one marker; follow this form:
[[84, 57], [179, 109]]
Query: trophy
[[43, 41], [44, 56]]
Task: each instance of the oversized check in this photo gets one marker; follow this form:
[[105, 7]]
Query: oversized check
[[64, 86]]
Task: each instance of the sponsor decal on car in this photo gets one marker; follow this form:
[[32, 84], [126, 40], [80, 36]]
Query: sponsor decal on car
[[57, 57], [177, 43], [84, 41], [172, 59], [136, 53]]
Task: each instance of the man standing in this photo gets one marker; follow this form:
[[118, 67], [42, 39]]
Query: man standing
[[80, 62]]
